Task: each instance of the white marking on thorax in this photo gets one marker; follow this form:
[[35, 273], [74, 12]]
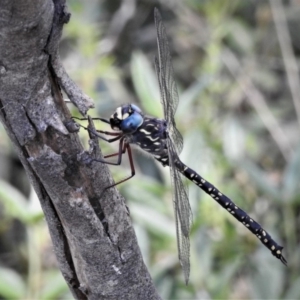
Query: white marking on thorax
[[119, 113], [145, 131], [151, 139], [126, 115]]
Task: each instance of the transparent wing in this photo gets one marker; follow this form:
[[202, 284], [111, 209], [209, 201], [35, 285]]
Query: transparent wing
[[167, 85], [183, 214], [169, 99]]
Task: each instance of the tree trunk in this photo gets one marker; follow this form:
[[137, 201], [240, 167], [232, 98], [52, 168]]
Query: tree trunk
[[93, 239]]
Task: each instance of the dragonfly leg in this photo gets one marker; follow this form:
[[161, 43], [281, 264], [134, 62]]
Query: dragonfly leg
[[98, 131], [117, 134], [122, 150], [118, 153], [97, 119], [123, 146], [109, 132], [126, 146]]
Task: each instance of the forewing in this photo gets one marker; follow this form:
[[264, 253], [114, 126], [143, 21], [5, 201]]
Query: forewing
[[169, 99], [167, 84]]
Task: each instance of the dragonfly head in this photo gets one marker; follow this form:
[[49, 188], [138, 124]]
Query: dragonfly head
[[127, 118]]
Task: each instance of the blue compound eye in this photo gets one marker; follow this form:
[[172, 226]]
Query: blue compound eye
[[135, 108], [132, 123]]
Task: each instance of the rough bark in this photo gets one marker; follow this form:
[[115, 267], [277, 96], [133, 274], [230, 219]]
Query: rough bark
[[93, 239]]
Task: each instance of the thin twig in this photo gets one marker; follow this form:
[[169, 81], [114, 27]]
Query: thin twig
[[257, 101], [288, 55]]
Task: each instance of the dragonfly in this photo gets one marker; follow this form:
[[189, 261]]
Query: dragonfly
[[161, 139]]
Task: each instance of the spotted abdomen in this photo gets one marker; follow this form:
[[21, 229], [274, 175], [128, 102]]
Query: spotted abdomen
[[233, 209]]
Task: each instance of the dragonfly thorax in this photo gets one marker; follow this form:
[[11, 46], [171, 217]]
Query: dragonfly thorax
[[127, 118], [151, 136]]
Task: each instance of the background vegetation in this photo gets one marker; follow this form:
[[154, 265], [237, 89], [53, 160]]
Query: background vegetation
[[237, 68]]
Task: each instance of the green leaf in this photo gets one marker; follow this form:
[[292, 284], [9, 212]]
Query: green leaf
[[260, 178], [55, 288], [291, 179], [294, 290], [202, 255], [12, 285], [165, 286], [268, 281], [145, 84], [189, 96], [144, 242], [233, 138], [240, 36], [16, 205], [154, 220]]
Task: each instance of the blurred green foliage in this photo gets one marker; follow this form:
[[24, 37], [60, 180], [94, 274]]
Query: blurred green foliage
[[238, 116]]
